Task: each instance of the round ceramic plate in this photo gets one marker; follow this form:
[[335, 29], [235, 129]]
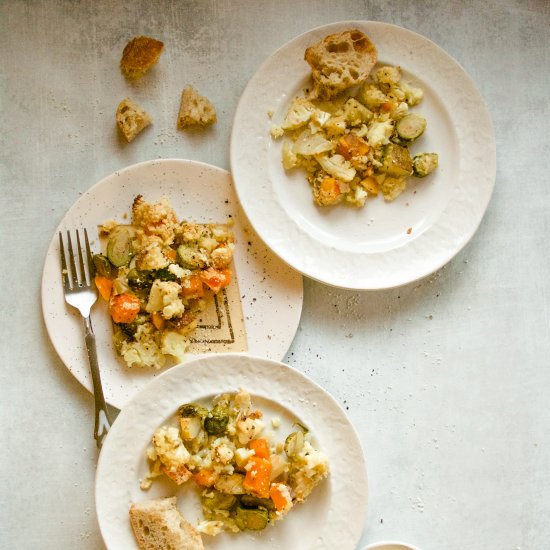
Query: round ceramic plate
[[384, 244], [279, 391], [271, 292], [394, 545]]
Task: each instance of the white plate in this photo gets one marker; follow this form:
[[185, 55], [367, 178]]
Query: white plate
[[332, 517], [370, 247], [272, 292], [394, 545]]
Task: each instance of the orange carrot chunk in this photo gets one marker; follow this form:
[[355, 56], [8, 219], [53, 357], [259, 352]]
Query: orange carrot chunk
[[216, 279], [124, 308], [205, 477], [257, 478], [104, 285], [279, 494], [260, 447], [192, 287]]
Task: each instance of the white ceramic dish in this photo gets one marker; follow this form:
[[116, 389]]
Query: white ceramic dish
[[382, 245], [278, 390], [392, 545], [272, 292]]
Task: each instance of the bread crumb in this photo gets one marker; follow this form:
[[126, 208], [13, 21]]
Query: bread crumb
[[195, 109], [409, 231], [131, 118], [139, 55]]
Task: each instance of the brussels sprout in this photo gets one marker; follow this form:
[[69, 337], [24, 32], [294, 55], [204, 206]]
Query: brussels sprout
[[102, 265], [251, 519], [294, 443], [216, 422], [190, 410], [218, 501], [191, 258], [424, 164], [119, 247], [411, 126], [138, 280], [251, 501]]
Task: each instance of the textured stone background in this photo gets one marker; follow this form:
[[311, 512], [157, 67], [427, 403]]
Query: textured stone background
[[446, 380]]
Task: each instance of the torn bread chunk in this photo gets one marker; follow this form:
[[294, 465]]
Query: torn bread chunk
[[131, 118], [195, 109], [139, 55], [340, 61], [159, 525]]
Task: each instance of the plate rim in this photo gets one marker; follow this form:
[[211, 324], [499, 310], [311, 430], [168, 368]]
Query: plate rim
[[128, 414], [320, 275], [85, 380]]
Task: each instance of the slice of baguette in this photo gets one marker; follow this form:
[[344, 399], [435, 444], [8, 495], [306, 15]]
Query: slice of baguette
[[139, 55], [195, 109], [159, 525], [340, 61], [131, 118]]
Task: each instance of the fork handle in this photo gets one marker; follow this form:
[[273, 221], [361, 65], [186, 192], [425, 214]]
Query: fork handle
[[102, 417]]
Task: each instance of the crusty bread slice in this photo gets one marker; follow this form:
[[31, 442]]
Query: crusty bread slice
[[139, 55], [195, 109], [159, 525], [131, 118], [340, 61]]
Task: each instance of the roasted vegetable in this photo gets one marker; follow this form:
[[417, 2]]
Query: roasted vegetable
[[397, 161], [214, 500], [102, 266], [294, 443], [119, 246], [251, 519], [424, 164], [410, 126], [124, 308], [217, 419]]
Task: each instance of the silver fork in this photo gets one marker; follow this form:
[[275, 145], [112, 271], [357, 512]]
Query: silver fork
[[81, 294]]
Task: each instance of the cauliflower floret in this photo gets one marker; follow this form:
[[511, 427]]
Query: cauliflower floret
[[175, 344], [336, 166], [413, 95], [358, 197], [298, 114], [309, 144], [371, 96], [144, 350], [379, 133], [221, 257], [164, 297], [248, 429], [290, 158], [169, 447], [178, 271], [150, 252], [242, 455], [388, 75]]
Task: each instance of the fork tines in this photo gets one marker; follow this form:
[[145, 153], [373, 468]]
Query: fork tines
[[73, 278]]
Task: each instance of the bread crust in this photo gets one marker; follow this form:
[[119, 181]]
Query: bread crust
[[340, 61], [139, 55], [158, 524]]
